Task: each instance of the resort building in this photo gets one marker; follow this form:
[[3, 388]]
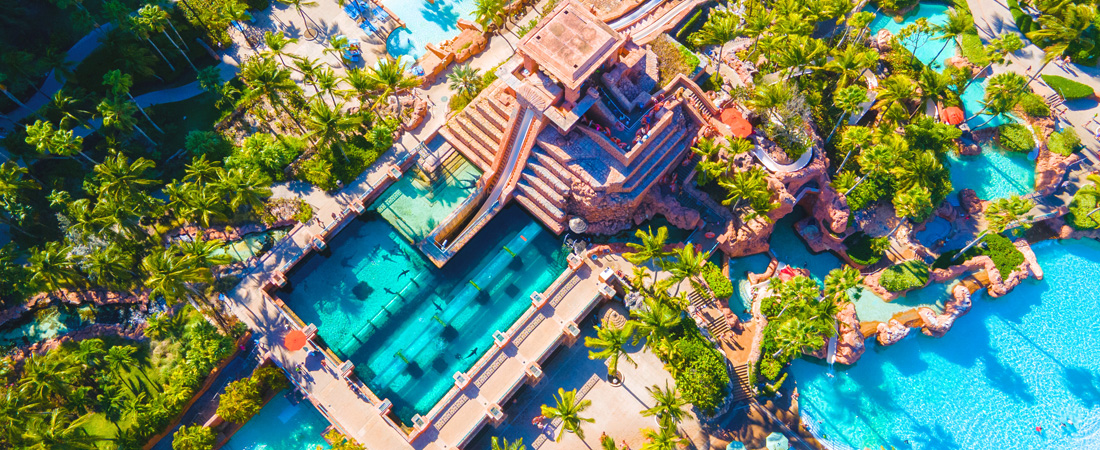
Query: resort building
[[575, 126]]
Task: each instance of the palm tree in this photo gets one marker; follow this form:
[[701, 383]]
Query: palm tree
[[119, 114], [720, 28], [489, 13], [1059, 31], [116, 179], [934, 88], [109, 266], [655, 322], [609, 344], [743, 186], [45, 378], [872, 160], [90, 352], [235, 13], [1007, 212], [265, 79], [665, 439], [667, 405], [839, 281], [300, 6], [651, 249], [1001, 95], [153, 19], [60, 432], [568, 409], [16, 411], [799, 51], [309, 69], [277, 45], [329, 124], [143, 31], [118, 84], [55, 142], [51, 268], [244, 187], [998, 49], [464, 79], [895, 89], [120, 357], [958, 22], [853, 138], [912, 203], [204, 253], [503, 444], [850, 100], [687, 265], [67, 108], [326, 83], [791, 337], [850, 63], [390, 77], [170, 275]]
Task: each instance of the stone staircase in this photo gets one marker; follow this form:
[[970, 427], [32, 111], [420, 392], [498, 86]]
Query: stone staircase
[[477, 130], [742, 389], [542, 189], [717, 328]]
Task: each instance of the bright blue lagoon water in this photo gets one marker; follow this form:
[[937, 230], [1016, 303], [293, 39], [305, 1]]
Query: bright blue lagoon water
[[994, 174], [923, 47], [281, 425], [409, 326], [1011, 364], [426, 23]]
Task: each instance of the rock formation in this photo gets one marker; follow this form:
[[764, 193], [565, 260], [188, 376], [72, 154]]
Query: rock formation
[[891, 332], [849, 345]]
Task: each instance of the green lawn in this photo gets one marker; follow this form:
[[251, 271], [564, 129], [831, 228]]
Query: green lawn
[[144, 377]]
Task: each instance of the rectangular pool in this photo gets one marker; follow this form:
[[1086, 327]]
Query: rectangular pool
[[408, 326], [281, 425]]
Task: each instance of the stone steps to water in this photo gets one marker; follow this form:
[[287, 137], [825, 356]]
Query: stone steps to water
[[671, 150], [542, 188], [466, 142], [742, 389], [555, 224], [492, 116], [547, 176]]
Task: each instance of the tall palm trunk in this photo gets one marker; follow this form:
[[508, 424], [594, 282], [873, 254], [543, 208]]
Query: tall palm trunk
[[854, 186], [945, 42], [144, 113], [181, 51], [838, 122], [174, 30], [146, 136], [844, 161], [170, 66], [21, 104]]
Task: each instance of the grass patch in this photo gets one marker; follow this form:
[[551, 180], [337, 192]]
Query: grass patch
[[865, 249], [970, 45], [673, 59], [907, 275], [1004, 255], [1064, 142], [1067, 88], [1015, 137]]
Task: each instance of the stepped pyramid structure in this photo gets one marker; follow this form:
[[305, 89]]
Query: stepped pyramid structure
[[575, 125]]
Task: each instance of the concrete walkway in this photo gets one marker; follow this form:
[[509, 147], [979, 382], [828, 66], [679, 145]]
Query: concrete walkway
[[993, 19]]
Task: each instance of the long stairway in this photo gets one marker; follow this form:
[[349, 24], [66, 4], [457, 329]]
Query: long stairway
[[742, 389], [477, 130], [543, 188]]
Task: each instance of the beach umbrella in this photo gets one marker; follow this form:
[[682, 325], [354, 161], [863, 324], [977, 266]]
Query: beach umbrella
[[735, 445], [736, 122], [577, 225], [294, 340], [777, 441], [953, 115]]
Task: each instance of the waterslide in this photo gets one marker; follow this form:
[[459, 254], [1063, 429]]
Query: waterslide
[[625, 21]]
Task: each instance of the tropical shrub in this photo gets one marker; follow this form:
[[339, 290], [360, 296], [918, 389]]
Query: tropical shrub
[[865, 249], [195, 437], [1034, 105], [1015, 137], [1067, 88], [1084, 202], [270, 154], [208, 143], [270, 379], [769, 367], [895, 5], [947, 259], [970, 45], [1064, 142], [240, 401], [719, 283], [461, 99], [1004, 255], [907, 275], [700, 373]]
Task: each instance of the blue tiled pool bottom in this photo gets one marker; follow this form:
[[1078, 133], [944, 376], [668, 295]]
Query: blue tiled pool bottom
[[408, 326], [994, 174], [281, 425]]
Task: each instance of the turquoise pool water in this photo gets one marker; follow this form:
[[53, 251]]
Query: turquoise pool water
[[281, 425], [740, 302], [252, 244], [407, 325], [1011, 364], [993, 174], [789, 247], [415, 205], [870, 307], [425, 23], [923, 47], [54, 321]]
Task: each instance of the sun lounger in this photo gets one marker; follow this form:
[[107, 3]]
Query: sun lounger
[[352, 10], [367, 27], [379, 13]]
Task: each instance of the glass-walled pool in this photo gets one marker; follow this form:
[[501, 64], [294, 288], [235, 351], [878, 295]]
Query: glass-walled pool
[[408, 326]]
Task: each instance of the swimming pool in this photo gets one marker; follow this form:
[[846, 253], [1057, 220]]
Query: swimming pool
[[408, 326], [789, 248], [53, 321], [1011, 364], [426, 22], [935, 229], [252, 244], [415, 205], [281, 425], [871, 307], [994, 174], [741, 302]]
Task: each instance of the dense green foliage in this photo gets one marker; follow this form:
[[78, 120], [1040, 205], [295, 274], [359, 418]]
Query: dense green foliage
[[1034, 105], [1064, 142], [1015, 137], [970, 45], [266, 153], [895, 5], [240, 401], [865, 249], [1067, 88], [1004, 255], [1083, 214], [719, 283], [947, 259], [907, 275], [700, 372], [195, 437]]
